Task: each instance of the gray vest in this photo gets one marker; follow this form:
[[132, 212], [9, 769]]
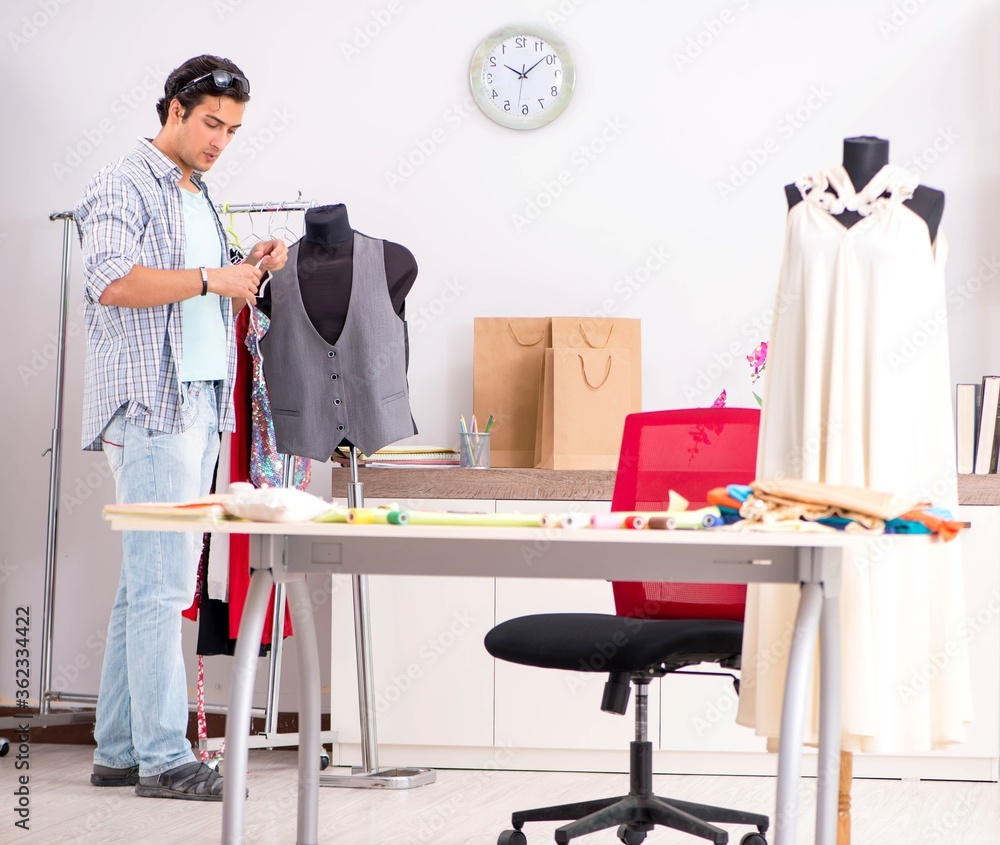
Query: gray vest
[[354, 390]]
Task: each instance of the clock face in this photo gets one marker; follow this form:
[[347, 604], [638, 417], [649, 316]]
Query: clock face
[[522, 78]]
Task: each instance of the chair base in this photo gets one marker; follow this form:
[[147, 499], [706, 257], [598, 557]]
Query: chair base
[[640, 813]]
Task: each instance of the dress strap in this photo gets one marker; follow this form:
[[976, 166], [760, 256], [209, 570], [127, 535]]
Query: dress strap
[[891, 184]]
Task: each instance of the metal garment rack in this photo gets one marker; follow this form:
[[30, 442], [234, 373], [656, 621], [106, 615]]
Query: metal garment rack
[[46, 695], [368, 774]]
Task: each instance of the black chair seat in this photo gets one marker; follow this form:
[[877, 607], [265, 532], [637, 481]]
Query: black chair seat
[[597, 642]]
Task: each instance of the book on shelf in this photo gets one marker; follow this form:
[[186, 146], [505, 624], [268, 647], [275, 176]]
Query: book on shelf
[[968, 402], [986, 444], [399, 456]]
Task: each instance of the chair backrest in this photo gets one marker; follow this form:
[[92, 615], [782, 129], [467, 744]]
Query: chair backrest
[[690, 451]]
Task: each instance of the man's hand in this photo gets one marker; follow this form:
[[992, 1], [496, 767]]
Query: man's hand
[[240, 281], [271, 255]]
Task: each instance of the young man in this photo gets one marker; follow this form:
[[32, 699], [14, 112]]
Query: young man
[[160, 296]]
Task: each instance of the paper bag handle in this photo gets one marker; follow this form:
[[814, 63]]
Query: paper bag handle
[[583, 369], [520, 342], [587, 340]]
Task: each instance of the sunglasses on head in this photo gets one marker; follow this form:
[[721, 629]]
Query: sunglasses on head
[[222, 79]]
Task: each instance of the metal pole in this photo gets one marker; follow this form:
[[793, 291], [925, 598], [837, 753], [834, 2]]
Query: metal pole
[[277, 628], [367, 775], [55, 456]]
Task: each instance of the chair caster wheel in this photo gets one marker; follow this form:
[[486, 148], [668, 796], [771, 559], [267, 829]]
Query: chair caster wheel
[[324, 761], [753, 839], [629, 836], [512, 837]]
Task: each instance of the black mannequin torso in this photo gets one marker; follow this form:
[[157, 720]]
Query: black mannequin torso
[[864, 156], [326, 265]]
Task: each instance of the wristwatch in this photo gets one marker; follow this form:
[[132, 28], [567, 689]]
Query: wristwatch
[[204, 280]]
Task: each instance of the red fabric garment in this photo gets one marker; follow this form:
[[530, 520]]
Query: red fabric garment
[[239, 544], [239, 469]]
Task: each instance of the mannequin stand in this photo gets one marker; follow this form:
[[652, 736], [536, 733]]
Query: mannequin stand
[[368, 775]]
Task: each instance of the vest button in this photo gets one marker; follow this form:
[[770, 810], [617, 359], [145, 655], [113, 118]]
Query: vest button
[[340, 428], [332, 354], [337, 401]]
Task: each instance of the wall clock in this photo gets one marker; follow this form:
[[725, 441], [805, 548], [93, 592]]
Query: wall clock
[[522, 77]]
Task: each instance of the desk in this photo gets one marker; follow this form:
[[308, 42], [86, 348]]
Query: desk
[[285, 552]]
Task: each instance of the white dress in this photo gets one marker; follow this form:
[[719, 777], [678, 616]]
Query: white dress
[[859, 393]]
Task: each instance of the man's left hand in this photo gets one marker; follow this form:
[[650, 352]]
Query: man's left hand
[[271, 255]]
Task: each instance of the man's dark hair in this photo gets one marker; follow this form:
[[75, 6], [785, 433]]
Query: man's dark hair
[[189, 98]]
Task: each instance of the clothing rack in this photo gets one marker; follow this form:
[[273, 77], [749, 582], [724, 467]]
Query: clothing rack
[[46, 695]]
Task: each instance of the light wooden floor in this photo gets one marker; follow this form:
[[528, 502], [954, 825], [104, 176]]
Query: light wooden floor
[[462, 808]]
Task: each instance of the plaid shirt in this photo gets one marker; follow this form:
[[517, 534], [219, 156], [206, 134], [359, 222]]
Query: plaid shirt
[[132, 213]]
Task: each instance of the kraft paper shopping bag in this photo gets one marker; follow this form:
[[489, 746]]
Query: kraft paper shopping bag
[[604, 333], [509, 353], [583, 407]]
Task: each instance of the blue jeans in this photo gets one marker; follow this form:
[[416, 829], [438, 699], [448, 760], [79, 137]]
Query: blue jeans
[[142, 705]]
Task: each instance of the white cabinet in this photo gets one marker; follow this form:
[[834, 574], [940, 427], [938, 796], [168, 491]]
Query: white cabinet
[[432, 677]]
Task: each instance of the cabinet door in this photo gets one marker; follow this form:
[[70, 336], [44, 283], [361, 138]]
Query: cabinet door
[[433, 678], [545, 708]]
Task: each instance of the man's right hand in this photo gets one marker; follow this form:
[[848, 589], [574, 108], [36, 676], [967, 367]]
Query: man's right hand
[[239, 281]]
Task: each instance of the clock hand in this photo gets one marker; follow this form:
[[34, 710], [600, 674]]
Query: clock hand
[[513, 69], [536, 64]]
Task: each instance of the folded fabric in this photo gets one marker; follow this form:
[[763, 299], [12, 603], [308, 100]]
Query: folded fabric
[[721, 497], [768, 509], [860, 500], [946, 529], [739, 491], [273, 504]]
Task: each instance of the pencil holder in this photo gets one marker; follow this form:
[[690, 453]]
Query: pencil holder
[[474, 448]]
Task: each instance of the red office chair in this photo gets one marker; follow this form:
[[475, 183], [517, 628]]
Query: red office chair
[[659, 627]]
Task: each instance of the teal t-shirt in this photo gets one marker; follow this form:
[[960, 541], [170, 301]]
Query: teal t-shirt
[[201, 316]]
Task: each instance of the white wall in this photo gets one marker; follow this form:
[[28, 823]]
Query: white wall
[[664, 133]]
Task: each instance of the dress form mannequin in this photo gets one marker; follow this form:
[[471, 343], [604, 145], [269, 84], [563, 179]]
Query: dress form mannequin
[[325, 267], [864, 156]]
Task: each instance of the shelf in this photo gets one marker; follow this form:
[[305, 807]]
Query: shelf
[[546, 484], [979, 489], [457, 483]]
